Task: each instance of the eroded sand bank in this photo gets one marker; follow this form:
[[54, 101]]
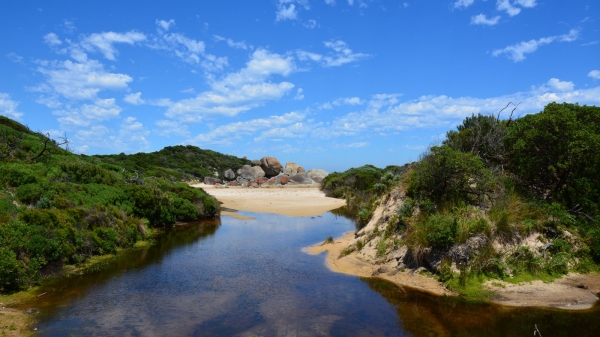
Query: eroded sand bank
[[572, 292]]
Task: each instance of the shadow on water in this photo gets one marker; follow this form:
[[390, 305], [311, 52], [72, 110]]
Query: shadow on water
[[423, 314], [63, 289]]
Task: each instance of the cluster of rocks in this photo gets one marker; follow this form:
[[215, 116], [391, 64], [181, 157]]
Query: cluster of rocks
[[268, 171]]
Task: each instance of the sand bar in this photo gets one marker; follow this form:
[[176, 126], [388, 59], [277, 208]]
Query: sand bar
[[290, 201]]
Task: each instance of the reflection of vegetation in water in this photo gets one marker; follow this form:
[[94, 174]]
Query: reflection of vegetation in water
[[66, 288], [423, 314]]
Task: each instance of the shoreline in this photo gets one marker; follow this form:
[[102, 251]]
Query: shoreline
[[570, 292], [296, 200]]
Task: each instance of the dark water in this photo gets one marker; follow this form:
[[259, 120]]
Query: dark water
[[249, 277]]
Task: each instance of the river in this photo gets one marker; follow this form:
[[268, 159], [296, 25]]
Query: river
[[231, 277]]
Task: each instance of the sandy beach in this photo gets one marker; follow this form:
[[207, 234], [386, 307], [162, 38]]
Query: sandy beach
[[290, 201]]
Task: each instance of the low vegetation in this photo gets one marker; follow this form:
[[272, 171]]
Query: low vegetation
[[509, 199], [59, 209]]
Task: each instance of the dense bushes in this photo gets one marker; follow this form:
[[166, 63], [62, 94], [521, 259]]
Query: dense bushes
[[57, 208], [448, 175]]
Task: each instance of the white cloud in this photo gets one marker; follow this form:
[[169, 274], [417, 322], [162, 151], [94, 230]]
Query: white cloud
[[189, 50], [340, 55], [526, 3], [103, 42], [342, 101], [286, 12], [231, 43], [165, 25], [239, 91], [330, 2], [357, 145], [88, 114], [481, 19], [517, 51], [299, 95], [168, 128], [131, 136], [8, 107], [384, 113], [463, 3], [351, 2], [69, 27], [558, 85], [231, 133], [75, 80], [311, 24], [595, 74], [15, 58], [135, 99], [52, 39], [504, 5]]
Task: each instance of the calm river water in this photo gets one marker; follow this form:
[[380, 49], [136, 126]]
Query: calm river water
[[232, 277]]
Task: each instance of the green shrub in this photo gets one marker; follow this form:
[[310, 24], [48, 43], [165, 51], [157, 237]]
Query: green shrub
[[29, 193], [523, 260], [9, 269], [439, 230], [448, 175], [16, 175]]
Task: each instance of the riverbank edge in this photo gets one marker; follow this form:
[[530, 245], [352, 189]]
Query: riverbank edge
[[574, 292], [12, 306]]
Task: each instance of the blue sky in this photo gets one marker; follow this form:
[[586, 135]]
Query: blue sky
[[329, 84]]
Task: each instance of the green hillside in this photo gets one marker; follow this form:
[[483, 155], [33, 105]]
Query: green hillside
[[177, 162], [475, 198], [58, 208]]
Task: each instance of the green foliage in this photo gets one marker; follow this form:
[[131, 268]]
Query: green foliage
[[58, 208], [554, 153], [180, 162], [448, 175], [438, 230]]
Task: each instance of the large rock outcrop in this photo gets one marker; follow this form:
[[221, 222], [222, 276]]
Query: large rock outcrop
[[251, 173], [301, 179], [229, 174], [317, 175], [271, 166], [291, 168], [211, 180]]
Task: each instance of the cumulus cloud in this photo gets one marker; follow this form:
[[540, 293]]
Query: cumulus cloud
[[595, 74], [231, 43], [340, 54], [517, 51], [8, 107], [384, 113], [527, 3], [481, 19], [342, 101], [135, 99], [505, 5], [165, 25], [88, 114], [75, 80], [169, 128], [299, 95], [188, 50], [558, 85], [239, 91], [463, 3], [104, 42], [330, 2], [52, 39], [286, 12], [311, 24], [131, 136], [230, 133]]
